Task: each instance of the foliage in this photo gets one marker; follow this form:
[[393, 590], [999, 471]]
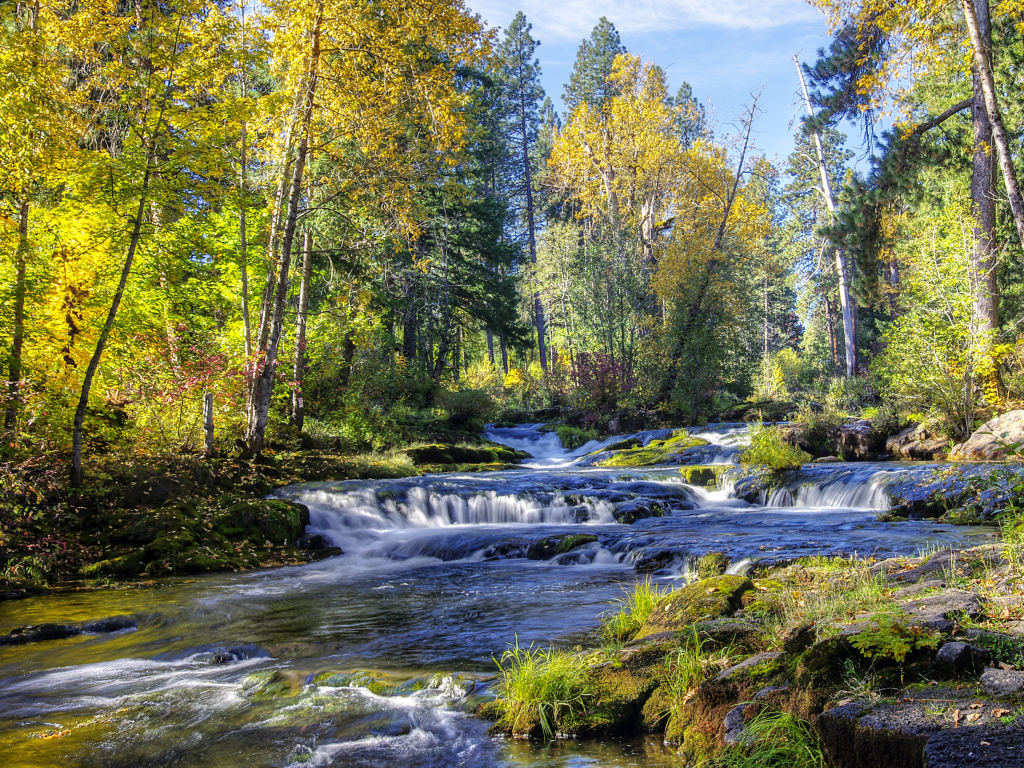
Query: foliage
[[538, 684], [892, 638], [575, 437], [770, 449]]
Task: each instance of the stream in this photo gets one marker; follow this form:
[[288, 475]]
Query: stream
[[374, 657]]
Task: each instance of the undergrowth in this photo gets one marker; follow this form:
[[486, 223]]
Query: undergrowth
[[775, 740], [768, 448]]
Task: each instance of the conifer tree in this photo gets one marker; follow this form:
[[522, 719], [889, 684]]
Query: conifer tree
[[589, 83]]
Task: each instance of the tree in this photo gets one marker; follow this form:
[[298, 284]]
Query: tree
[[691, 116], [520, 77], [590, 82]]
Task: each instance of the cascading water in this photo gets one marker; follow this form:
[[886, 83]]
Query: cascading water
[[374, 657]]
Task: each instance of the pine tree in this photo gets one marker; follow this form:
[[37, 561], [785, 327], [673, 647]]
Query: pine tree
[[588, 83], [692, 118], [520, 75]]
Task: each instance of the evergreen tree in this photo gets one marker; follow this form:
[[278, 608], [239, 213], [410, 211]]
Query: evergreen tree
[[692, 120], [588, 83], [519, 71]]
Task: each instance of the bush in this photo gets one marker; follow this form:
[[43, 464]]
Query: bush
[[467, 408], [542, 683], [777, 740], [574, 437], [768, 448]]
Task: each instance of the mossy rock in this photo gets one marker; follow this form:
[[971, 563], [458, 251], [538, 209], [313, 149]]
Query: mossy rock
[[570, 543], [265, 683], [712, 564], [430, 454], [706, 599], [656, 452], [705, 477], [125, 565], [275, 520], [655, 714]]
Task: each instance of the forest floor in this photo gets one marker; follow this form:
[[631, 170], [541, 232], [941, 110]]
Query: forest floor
[[142, 518]]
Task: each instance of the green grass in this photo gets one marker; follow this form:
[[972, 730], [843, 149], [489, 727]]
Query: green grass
[[691, 665], [767, 448], [633, 610], [777, 740], [542, 684]]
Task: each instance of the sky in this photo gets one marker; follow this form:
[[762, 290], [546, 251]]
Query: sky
[[725, 49]]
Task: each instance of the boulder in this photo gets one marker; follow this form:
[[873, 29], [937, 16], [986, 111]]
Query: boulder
[[1002, 683], [992, 746], [859, 441], [996, 440], [961, 659], [917, 444], [939, 611]]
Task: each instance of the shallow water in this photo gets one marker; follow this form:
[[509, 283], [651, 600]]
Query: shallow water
[[433, 585]]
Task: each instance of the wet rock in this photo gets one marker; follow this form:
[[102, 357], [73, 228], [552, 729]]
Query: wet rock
[[649, 562], [1003, 683], [707, 599], [917, 444], [993, 441], [545, 549], [827, 460], [312, 542], [986, 747], [712, 564], [629, 512], [39, 633], [113, 624], [960, 659]]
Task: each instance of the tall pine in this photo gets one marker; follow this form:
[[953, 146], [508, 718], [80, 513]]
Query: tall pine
[[520, 75]]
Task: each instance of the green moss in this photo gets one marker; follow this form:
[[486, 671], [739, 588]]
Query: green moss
[[712, 564], [655, 713], [702, 476], [571, 542], [706, 599], [126, 565], [631, 453]]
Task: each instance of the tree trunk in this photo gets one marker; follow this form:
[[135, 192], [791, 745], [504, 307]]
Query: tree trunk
[[830, 327], [983, 193], [299, 366], [849, 332], [504, 353], [18, 342], [490, 346], [263, 382], [101, 343], [243, 248], [532, 233], [208, 446], [983, 67], [766, 315]]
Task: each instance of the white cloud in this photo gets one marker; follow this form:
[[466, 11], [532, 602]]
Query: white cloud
[[566, 19]]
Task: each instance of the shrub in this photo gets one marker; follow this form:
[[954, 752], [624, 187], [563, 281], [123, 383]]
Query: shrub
[[467, 408], [893, 639], [542, 683], [768, 448], [574, 437], [633, 611]]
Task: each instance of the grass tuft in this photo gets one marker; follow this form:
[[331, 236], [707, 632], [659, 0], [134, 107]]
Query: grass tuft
[[633, 611], [545, 684], [776, 740]]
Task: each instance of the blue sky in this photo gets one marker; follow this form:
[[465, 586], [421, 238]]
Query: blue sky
[[724, 48]]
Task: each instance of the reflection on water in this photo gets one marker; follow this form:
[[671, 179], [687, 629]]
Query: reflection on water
[[374, 658]]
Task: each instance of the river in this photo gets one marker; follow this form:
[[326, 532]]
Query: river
[[375, 657]]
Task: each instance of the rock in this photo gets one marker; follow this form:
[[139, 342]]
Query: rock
[[859, 441], [746, 664], [990, 746], [629, 512], [938, 611], [733, 725], [961, 659], [799, 639], [312, 542], [707, 599], [917, 444], [35, 634], [712, 564], [650, 562], [614, 427], [1002, 683], [995, 440], [113, 624], [827, 460], [914, 589]]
